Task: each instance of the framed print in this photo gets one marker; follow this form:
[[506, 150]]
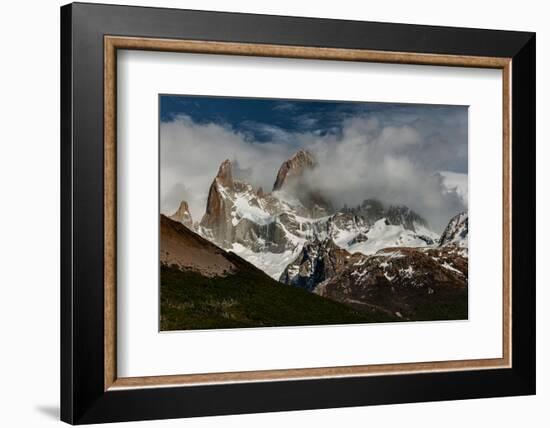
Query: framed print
[[265, 213], [332, 223]]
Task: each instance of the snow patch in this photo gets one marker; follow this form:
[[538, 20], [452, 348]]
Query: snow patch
[[451, 268], [243, 209], [382, 235], [271, 263], [389, 277]]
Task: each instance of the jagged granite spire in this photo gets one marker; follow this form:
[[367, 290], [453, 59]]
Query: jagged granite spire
[[183, 215], [217, 211], [225, 174], [294, 167]]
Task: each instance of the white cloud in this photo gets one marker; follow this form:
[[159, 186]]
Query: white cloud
[[366, 159], [456, 182], [191, 154]]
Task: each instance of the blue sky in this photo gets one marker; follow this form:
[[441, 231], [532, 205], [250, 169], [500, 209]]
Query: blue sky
[[393, 152], [444, 128]]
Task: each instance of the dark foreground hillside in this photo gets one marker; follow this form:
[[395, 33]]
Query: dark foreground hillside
[[247, 298]]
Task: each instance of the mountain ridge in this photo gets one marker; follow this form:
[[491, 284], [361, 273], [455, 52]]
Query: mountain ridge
[[271, 228]]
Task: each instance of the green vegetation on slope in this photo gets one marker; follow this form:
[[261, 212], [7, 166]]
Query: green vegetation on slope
[[248, 298], [449, 305]]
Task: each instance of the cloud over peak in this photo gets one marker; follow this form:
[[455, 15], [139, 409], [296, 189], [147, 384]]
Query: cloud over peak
[[369, 156]]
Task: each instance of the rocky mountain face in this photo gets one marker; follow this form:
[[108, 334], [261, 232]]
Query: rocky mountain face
[[372, 210], [236, 213], [317, 262], [218, 207], [292, 178], [456, 232], [183, 215], [293, 169], [402, 215]]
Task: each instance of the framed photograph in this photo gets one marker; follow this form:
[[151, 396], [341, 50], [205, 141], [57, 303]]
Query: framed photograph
[[267, 213]]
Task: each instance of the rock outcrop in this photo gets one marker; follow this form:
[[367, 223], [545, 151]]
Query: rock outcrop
[[456, 232], [401, 214], [218, 206], [183, 215], [371, 210], [294, 168], [317, 262]]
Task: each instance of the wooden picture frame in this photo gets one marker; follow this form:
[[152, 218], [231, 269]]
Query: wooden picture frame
[[91, 390]]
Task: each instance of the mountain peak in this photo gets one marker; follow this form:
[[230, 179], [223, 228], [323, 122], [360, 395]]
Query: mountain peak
[[225, 174], [217, 208], [294, 167], [183, 215], [318, 260], [403, 215], [456, 232], [303, 154]]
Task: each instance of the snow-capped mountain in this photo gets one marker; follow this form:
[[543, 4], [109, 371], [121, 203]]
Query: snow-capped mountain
[[456, 232], [322, 261], [398, 279], [270, 229], [238, 213]]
